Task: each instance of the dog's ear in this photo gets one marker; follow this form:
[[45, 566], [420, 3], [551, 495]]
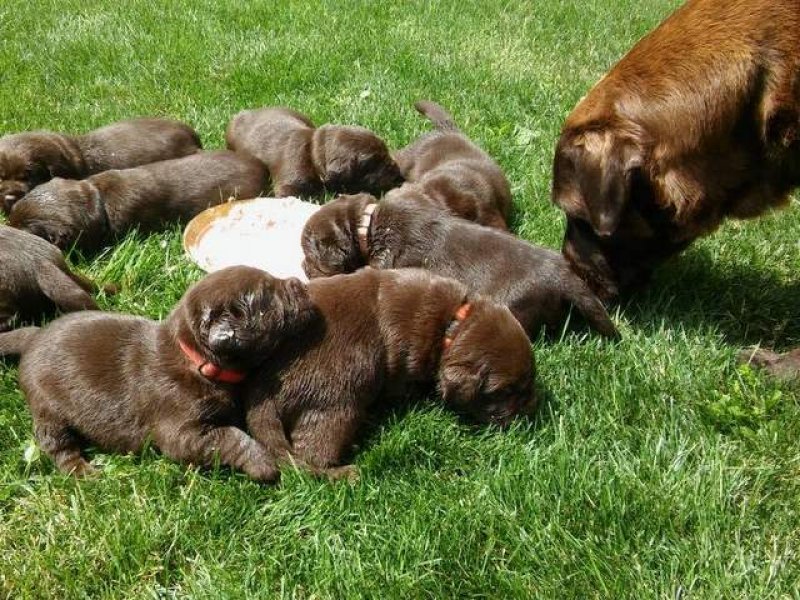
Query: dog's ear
[[37, 174], [459, 386], [592, 176], [339, 168], [615, 160]]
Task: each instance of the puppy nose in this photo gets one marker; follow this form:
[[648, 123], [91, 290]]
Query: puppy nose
[[10, 199], [221, 336]]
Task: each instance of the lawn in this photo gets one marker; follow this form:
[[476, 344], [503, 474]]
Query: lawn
[[655, 468]]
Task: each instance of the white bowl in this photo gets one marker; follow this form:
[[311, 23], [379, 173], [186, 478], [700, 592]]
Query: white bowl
[[262, 232]]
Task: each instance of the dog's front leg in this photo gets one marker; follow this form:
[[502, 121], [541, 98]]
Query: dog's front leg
[[230, 446]]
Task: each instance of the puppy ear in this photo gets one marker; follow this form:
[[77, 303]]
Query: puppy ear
[[338, 168], [459, 386], [38, 174]]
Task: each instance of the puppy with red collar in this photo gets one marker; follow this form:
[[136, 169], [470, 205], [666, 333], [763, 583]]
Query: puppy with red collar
[[402, 231], [378, 335], [115, 381]]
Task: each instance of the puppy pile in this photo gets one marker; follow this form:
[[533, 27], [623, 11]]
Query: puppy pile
[[423, 291]]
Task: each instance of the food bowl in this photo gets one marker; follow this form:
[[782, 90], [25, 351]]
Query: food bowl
[[262, 232]]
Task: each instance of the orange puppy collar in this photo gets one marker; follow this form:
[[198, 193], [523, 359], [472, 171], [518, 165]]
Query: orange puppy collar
[[462, 312], [208, 369], [363, 229]]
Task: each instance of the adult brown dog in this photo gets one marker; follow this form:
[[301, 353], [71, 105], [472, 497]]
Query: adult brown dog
[[30, 159], [379, 334], [402, 231], [455, 173], [697, 123], [306, 161], [115, 381], [35, 279], [91, 212]]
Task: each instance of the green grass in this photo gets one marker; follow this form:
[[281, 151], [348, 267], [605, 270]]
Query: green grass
[[656, 467]]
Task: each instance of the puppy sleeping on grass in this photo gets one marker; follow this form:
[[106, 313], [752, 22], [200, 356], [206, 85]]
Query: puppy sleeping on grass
[[377, 336], [453, 173], [92, 212], [35, 279], [115, 381], [31, 158], [307, 161], [404, 230]]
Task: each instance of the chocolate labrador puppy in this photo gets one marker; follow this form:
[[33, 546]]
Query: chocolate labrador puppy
[[91, 212], [401, 231], [699, 122], [378, 335], [35, 279], [455, 173], [30, 159], [116, 381], [306, 161]]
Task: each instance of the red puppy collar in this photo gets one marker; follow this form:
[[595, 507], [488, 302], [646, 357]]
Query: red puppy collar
[[363, 229], [462, 312], [208, 369]]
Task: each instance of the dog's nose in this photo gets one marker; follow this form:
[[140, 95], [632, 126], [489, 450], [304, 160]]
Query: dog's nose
[[10, 199], [221, 336]]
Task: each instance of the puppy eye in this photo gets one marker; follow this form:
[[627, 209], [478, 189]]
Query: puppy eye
[[237, 312]]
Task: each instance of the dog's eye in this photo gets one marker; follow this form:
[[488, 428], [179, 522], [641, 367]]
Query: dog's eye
[[236, 311]]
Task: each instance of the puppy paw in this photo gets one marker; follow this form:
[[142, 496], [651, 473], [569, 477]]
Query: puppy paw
[[266, 473], [81, 469], [348, 473]]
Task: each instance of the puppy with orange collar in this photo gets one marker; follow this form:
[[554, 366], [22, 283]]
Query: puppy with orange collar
[[380, 334], [115, 381]]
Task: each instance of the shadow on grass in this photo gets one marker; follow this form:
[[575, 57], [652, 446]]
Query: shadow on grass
[[746, 305], [380, 426]]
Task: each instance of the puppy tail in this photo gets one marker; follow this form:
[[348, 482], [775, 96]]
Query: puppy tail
[[591, 308], [15, 343], [437, 115]]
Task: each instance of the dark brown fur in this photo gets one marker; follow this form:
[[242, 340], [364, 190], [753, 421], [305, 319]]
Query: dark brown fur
[[306, 161], [30, 159], [117, 381], [91, 212], [379, 335], [697, 123], [455, 173], [535, 283], [35, 279]]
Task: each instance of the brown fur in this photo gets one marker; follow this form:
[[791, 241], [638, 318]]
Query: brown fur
[[117, 381], [35, 279], [91, 212], [380, 334], [30, 159], [697, 123], [306, 161], [455, 173], [784, 366], [535, 283]]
